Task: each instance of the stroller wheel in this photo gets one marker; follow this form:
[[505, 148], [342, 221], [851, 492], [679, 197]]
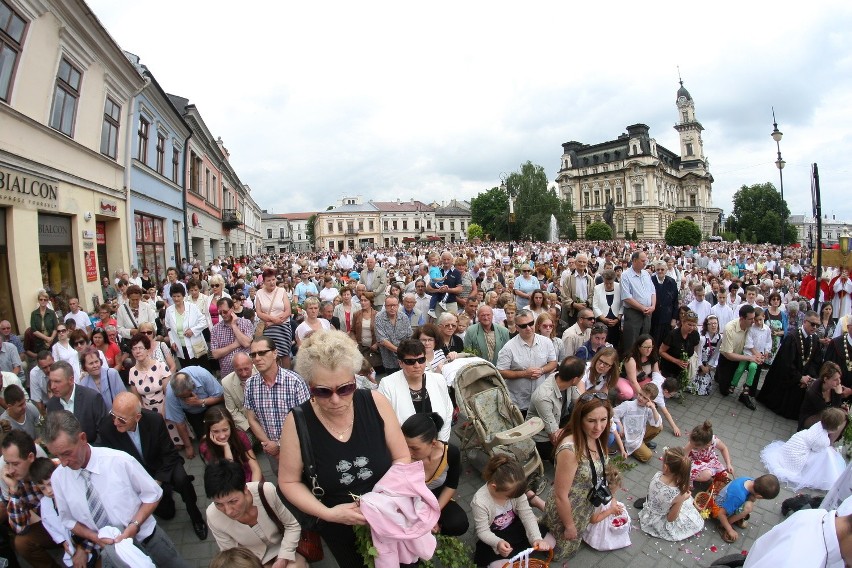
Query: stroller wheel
[[537, 483]]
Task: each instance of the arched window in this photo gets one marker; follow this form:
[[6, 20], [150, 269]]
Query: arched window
[[640, 223]]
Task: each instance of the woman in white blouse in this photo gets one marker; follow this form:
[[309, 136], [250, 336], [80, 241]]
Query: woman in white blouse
[[607, 306], [186, 325]]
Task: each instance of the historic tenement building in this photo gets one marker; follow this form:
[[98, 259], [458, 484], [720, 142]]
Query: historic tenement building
[[649, 185]]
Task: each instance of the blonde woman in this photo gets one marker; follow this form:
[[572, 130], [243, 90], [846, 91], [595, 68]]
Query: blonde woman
[[312, 321]]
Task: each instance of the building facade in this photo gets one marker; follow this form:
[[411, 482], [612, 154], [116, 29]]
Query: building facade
[[648, 185], [452, 220], [352, 225], [806, 229], [157, 155], [285, 232], [66, 114]]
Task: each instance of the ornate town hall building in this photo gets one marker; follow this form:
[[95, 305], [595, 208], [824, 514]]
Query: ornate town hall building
[[649, 185]]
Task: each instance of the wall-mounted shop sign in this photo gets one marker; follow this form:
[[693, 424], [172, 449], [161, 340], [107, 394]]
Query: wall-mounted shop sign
[[18, 187], [54, 230], [108, 207]]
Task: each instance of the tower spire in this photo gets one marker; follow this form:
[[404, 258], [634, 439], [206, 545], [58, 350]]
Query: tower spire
[[679, 78]]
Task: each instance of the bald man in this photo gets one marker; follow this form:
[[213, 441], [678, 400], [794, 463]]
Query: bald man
[[234, 385], [142, 434]]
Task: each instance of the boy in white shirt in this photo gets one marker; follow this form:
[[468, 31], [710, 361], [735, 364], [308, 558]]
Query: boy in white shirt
[[40, 472], [639, 422], [699, 305], [759, 344]]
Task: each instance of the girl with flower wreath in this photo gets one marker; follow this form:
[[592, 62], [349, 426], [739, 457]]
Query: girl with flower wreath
[[702, 382]]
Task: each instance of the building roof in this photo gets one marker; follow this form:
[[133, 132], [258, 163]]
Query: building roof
[[289, 216], [682, 92], [401, 206], [454, 207], [354, 208]]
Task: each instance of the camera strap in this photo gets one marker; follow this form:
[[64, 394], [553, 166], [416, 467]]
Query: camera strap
[[592, 465]]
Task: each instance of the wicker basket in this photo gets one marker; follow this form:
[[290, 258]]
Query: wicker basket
[[532, 562], [702, 500]]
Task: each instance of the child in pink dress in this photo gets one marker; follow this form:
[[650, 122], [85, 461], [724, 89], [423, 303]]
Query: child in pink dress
[[702, 448]]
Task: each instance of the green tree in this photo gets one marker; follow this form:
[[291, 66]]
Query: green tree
[[474, 231], [598, 232], [683, 232], [571, 233], [634, 237], [490, 210], [309, 230], [759, 212], [535, 203]]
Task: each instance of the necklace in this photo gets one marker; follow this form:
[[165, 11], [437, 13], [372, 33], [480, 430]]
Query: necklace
[[327, 423], [846, 353], [810, 352]]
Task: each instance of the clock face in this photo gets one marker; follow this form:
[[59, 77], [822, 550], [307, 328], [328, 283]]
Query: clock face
[[681, 99]]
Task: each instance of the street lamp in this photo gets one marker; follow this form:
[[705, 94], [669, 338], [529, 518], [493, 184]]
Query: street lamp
[[504, 177], [780, 163]]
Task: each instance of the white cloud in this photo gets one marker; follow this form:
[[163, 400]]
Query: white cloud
[[389, 99]]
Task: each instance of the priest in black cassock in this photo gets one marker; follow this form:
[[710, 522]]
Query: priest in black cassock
[[840, 351], [665, 311], [795, 366]]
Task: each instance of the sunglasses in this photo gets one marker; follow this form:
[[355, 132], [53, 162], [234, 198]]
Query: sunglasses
[[216, 285], [261, 353], [588, 319], [114, 416], [524, 325], [327, 392], [417, 361], [80, 342], [148, 332], [592, 395], [61, 330]]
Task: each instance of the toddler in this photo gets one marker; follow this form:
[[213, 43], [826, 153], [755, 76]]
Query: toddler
[[702, 448], [40, 472], [503, 516], [735, 502], [639, 422], [669, 512], [464, 323], [759, 344], [609, 527], [436, 280]]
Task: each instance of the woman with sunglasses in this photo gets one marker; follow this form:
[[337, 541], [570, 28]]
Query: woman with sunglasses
[[451, 344], [98, 376], [413, 389], [80, 342], [217, 292], [43, 323], [580, 472], [546, 326], [63, 350], [355, 436], [159, 349]]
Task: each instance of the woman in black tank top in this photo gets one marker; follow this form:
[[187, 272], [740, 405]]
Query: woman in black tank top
[[355, 437]]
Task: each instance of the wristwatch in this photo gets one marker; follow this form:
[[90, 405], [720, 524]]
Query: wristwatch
[[203, 405], [135, 522]]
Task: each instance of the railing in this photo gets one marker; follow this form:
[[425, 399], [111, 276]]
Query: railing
[[231, 218]]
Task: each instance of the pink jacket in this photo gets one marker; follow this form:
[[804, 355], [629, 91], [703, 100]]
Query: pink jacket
[[401, 512]]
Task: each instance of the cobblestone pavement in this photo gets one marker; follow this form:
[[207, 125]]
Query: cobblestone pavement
[[745, 432]]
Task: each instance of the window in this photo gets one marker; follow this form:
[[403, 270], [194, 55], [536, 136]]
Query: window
[[214, 192], [194, 172], [689, 149], [12, 28], [207, 184], [330, 227], [637, 193], [386, 225], [416, 225], [175, 164], [282, 232], [268, 233], [142, 141], [161, 153], [429, 224], [361, 225], [685, 116], [340, 226], [440, 225], [150, 245], [404, 225], [597, 198], [350, 227], [452, 225], [394, 224], [640, 223], [109, 131], [65, 96], [619, 224], [586, 200], [371, 225], [693, 200]]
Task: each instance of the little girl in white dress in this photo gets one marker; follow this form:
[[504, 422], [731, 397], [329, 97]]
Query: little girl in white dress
[[808, 458], [669, 512], [609, 528]]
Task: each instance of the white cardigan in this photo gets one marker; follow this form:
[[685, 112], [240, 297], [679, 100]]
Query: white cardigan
[[395, 389], [192, 319], [599, 305]]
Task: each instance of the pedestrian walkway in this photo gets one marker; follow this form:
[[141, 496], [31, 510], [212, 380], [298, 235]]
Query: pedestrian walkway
[[744, 431]]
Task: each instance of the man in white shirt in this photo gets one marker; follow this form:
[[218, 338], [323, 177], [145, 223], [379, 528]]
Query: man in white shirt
[[80, 317], [99, 487], [579, 333], [812, 538], [525, 361]]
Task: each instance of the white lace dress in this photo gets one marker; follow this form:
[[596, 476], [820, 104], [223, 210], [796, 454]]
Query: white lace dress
[[807, 459], [653, 520], [611, 533]]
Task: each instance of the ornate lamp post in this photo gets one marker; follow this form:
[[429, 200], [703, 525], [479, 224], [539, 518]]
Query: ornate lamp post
[[780, 163], [504, 177]]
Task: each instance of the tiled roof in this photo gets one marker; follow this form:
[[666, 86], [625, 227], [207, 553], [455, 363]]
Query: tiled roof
[[402, 206]]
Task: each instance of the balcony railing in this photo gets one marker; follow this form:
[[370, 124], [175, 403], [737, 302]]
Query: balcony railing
[[231, 218], [351, 233]]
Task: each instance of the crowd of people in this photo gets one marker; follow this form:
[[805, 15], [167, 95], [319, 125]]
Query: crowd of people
[[334, 360]]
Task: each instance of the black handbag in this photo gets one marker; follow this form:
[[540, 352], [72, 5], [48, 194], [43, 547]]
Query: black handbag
[[309, 473]]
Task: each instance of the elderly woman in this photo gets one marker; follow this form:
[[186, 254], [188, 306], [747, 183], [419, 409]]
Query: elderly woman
[[413, 389], [273, 308], [448, 342], [80, 343], [606, 305], [312, 321], [99, 377], [428, 335], [346, 425], [186, 325], [345, 312], [159, 350]]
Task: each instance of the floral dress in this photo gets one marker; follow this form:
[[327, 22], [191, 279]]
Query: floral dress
[[702, 383], [151, 384], [705, 459], [653, 515], [581, 507], [775, 325]]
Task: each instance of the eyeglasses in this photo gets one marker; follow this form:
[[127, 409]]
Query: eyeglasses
[[148, 332], [814, 323], [524, 325], [547, 325], [327, 392], [261, 353], [121, 420], [417, 361], [605, 364], [80, 342], [592, 395], [42, 299], [61, 330], [215, 285], [588, 318]]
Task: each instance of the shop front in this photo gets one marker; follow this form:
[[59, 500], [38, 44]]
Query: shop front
[[55, 235]]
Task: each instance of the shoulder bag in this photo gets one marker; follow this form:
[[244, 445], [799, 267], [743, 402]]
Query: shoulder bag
[[261, 325], [310, 545]]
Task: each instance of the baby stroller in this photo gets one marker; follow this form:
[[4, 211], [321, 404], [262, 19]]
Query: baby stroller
[[496, 425]]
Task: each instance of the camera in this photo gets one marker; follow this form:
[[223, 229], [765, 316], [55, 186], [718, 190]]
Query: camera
[[600, 495]]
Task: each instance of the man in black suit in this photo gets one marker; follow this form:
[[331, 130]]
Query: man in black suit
[[142, 434], [86, 404]]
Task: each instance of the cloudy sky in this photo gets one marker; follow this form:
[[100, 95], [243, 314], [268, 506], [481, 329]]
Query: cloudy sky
[[320, 100]]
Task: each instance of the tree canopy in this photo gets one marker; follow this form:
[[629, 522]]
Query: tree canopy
[[599, 232], [534, 204], [474, 232], [758, 214], [683, 232], [309, 230]]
